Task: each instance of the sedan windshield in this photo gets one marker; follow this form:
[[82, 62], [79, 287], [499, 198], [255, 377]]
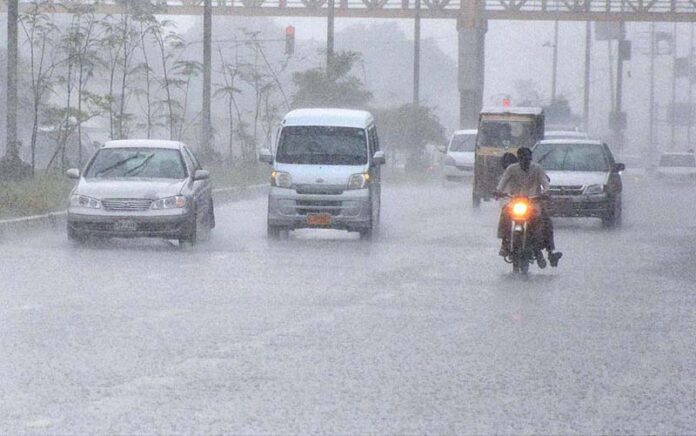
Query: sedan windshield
[[137, 162], [320, 145], [463, 143], [571, 157]]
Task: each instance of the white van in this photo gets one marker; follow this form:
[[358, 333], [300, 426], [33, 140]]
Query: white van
[[459, 158], [326, 172]]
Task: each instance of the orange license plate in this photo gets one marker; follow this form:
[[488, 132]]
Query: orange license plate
[[320, 220]]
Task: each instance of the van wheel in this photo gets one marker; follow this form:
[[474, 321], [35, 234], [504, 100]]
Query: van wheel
[[475, 201], [366, 233], [273, 232]]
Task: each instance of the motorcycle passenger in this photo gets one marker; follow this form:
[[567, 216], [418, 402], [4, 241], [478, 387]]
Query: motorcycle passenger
[[527, 178]]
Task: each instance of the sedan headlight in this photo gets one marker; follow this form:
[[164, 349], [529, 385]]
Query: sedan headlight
[[281, 179], [359, 181], [176, 202], [449, 161], [594, 189], [84, 201]]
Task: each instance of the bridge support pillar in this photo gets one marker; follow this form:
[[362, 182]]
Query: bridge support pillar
[[472, 37]]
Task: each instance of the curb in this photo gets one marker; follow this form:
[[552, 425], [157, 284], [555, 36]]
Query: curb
[[56, 219]]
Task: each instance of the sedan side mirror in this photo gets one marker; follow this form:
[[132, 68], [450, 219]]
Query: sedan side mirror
[[379, 158], [73, 173], [201, 175], [619, 167], [442, 149], [266, 156]]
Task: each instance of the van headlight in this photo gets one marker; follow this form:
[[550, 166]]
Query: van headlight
[[84, 201], [594, 189], [281, 179], [359, 181], [176, 202]]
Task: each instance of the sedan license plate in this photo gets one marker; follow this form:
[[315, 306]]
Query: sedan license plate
[[320, 220], [125, 226]]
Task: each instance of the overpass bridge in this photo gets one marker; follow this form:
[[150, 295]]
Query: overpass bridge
[[470, 16]]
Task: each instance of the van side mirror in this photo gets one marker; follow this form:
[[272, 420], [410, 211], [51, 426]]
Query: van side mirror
[[379, 158], [201, 175], [266, 156], [619, 167], [73, 173]]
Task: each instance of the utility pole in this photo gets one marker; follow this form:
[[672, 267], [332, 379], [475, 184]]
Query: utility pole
[[416, 54], [651, 145], [588, 60], [555, 61], [674, 86], [330, 38], [207, 61], [12, 150], [690, 76], [620, 119]]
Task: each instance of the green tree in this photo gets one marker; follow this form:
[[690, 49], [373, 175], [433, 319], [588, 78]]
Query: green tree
[[408, 129], [318, 87]]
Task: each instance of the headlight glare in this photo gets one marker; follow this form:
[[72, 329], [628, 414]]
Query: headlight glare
[[84, 201], [176, 202], [594, 189], [281, 179], [358, 181]]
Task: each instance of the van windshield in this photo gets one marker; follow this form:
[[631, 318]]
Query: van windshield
[[322, 145]]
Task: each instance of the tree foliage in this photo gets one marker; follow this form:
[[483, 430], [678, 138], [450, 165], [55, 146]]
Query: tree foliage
[[336, 87], [408, 129]]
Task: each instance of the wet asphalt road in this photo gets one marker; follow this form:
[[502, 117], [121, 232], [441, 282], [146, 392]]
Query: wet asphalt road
[[422, 331]]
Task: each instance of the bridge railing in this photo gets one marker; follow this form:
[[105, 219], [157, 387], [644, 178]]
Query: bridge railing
[[642, 10], [597, 6]]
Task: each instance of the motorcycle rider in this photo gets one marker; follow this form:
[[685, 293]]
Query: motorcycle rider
[[527, 178]]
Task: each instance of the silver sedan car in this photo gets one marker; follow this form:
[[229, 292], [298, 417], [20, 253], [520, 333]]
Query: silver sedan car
[[141, 188]]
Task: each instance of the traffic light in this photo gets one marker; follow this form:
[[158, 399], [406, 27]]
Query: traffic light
[[289, 40]]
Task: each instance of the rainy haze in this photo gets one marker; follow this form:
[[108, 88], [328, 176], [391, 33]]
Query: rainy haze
[[284, 217]]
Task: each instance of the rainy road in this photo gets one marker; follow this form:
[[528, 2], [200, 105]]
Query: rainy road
[[422, 331]]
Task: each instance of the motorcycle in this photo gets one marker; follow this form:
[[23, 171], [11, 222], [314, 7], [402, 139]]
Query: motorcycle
[[524, 233]]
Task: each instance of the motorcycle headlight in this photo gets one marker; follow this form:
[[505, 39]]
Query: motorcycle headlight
[[176, 202], [520, 209], [281, 179], [358, 181], [594, 189], [84, 201]]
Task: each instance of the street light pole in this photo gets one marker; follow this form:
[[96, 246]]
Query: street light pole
[[555, 61], [207, 85], [416, 54], [330, 38], [12, 150], [588, 60]]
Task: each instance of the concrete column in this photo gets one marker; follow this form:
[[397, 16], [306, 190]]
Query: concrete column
[[472, 37]]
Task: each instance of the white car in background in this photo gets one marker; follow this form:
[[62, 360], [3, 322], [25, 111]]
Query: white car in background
[[565, 134], [677, 166], [459, 156]]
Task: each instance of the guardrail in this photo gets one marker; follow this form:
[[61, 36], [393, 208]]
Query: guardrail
[[57, 219]]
